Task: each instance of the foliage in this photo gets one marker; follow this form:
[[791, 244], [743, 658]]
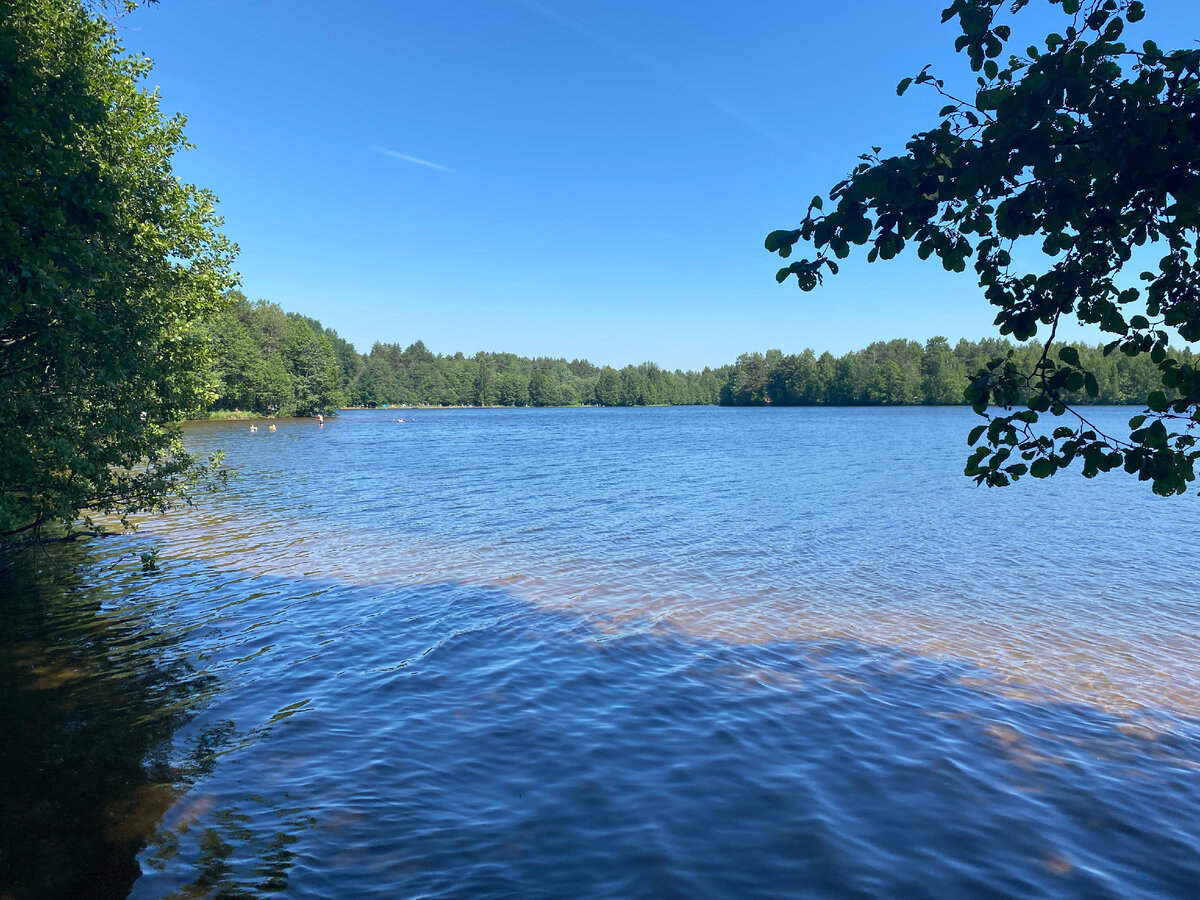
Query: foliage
[[1081, 152], [270, 362], [109, 265], [415, 376], [258, 361], [899, 372]]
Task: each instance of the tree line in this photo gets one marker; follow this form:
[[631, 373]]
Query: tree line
[[271, 362], [902, 372]]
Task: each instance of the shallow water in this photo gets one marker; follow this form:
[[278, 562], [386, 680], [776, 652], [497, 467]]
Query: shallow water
[[661, 652]]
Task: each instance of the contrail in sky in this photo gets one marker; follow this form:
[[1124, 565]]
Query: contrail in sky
[[648, 64], [395, 154]]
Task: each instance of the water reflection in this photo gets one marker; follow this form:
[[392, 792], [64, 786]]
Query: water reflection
[[454, 661], [451, 739], [455, 740], [231, 857], [98, 686]]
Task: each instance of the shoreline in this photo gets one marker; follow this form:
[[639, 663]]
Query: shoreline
[[237, 416]]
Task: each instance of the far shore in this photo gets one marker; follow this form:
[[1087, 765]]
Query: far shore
[[239, 416]]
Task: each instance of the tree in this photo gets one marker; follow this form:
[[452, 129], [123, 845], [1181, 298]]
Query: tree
[[943, 378], [375, 383], [748, 384], [316, 375], [1086, 149], [889, 386], [484, 387], [541, 391], [608, 387], [512, 389], [635, 387], [349, 360], [109, 266]]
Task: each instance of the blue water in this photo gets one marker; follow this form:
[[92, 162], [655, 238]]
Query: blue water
[[665, 652]]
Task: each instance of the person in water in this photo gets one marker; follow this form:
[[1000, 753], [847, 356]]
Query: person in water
[[321, 420]]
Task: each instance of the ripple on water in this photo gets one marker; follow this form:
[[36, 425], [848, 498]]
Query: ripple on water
[[666, 652]]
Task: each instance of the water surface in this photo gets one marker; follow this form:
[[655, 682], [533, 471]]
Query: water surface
[[657, 652]]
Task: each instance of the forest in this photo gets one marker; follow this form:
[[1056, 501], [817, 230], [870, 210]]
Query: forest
[[902, 372], [271, 362]]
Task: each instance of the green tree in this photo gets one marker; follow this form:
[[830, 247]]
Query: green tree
[[943, 377], [635, 387], [484, 387], [608, 387], [349, 360], [747, 385], [541, 391], [848, 387], [512, 389], [889, 385], [234, 355], [109, 268], [316, 375], [374, 384], [1082, 147]]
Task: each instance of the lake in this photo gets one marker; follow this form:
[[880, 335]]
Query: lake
[[670, 652]]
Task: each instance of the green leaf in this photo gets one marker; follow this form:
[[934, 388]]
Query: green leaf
[[1088, 152], [902, 87], [1041, 468], [1156, 435]]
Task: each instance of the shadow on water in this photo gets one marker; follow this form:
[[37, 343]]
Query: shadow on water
[[454, 740], [87, 702], [92, 695]]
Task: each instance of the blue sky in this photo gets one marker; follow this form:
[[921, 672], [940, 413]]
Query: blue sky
[[561, 177]]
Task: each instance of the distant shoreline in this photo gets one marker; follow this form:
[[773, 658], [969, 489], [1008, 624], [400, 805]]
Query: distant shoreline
[[238, 416]]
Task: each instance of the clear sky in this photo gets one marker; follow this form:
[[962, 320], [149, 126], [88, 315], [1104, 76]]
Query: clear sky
[[567, 178]]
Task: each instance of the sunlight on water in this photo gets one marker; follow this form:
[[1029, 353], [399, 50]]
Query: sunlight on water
[[913, 556], [669, 652]]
